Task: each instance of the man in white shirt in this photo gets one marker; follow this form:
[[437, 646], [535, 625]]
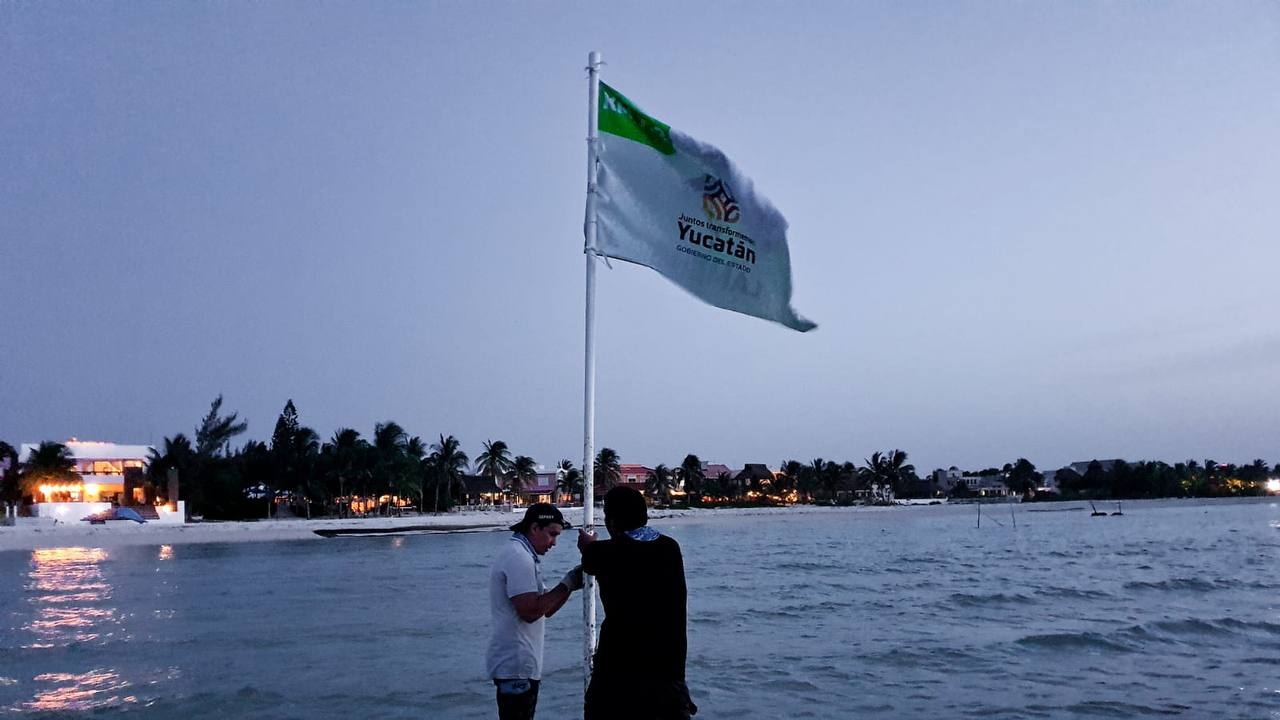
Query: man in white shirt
[[518, 603]]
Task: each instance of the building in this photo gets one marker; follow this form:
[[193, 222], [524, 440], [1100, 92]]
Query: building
[[109, 475], [629, 475], [543, 488], [478, 491], [712, 471], [753, 478]]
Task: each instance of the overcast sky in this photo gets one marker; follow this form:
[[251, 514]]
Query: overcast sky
[[1046, 230]]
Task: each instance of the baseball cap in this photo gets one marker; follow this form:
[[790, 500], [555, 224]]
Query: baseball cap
[[541, 513]]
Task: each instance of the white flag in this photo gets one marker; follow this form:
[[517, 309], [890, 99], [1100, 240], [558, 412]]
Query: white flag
[[679, 206]]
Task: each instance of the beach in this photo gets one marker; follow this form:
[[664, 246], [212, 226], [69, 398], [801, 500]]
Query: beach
[[32, 533]]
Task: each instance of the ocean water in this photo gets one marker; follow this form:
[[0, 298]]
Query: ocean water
[[1169, 610]]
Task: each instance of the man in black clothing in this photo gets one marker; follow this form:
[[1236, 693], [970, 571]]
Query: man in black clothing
[[638, 669]]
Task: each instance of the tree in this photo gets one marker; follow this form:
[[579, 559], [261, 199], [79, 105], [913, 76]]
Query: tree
[[390, 460], [179, 457], [659, 483], [294, 449], [50, 462], [806, 479], [282, 451], [1069, 481], [789, 475], [826, 477], [889, 474], [608, 468], [691, 475], [345, 459], [524, 473], [1094, 480], [1022, 477], [570, 480], [447, 463], [415, 472], [213, 437], [495, 462]]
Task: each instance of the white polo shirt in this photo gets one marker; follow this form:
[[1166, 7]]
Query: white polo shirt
[[515, 648]]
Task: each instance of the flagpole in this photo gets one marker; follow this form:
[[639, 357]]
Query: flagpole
[[589, 381]]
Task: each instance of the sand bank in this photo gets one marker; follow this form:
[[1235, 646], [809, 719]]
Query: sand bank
[[32, 533]]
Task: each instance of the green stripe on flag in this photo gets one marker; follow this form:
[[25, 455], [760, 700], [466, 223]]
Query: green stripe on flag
[[619, 116]]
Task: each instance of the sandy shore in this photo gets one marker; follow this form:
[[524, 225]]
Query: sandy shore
[[30, 533]]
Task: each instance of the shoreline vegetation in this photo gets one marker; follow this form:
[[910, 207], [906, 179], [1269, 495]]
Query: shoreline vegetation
[[403, 480]]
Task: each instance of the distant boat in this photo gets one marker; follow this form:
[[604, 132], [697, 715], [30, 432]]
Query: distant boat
[[1096, 512], [1117, 512]]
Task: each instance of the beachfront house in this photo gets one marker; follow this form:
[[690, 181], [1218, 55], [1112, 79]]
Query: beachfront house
[[541, 489], [478, 491], [629, 475], [107, 475], [753, 481]]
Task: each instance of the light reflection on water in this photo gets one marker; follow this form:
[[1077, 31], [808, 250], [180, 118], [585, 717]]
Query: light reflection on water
[[84, 691], [67, 580], [70, 596]]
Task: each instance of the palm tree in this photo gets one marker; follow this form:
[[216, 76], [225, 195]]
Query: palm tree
[[524, 471], [901, 473], [659, 484], [608, 468], [876, 474], [789, 475], [570, 480], [447, 462], [389, 446], [413, 475], [50, 462], [889, 473], [495, 462], [178, 457], [691, 475], [826, 477], [345, 459], [806, 480]]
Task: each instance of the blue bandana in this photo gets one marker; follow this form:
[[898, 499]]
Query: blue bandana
[[643, 534]]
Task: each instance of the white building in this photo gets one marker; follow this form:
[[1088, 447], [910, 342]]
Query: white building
[[110, 475]]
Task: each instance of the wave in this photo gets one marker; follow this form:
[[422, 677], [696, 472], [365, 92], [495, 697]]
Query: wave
[[1071, 593], [1075, 641], [1177, 585], [981, 600]]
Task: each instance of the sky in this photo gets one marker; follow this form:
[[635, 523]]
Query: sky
[[1041, 230]]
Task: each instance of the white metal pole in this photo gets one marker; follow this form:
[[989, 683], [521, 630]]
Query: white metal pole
[[589, 382]]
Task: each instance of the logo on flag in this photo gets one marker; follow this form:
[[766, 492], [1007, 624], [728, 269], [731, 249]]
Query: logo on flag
[[718, 202]]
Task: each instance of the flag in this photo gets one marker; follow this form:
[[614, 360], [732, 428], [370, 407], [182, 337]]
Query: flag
[[669, 202]]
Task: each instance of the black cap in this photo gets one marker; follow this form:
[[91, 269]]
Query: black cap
[[542, 514]]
